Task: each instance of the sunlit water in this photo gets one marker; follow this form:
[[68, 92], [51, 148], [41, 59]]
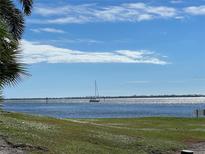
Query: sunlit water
[[109, 108]]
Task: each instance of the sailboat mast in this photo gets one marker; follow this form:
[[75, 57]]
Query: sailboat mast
[[96, 97], [95, 88]]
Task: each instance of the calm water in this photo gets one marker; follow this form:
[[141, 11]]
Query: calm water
[[109, 109]]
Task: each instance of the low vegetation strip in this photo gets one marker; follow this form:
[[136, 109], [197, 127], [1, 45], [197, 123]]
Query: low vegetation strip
[[35, 134]]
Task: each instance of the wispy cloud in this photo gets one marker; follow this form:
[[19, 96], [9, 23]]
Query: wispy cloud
[[48, 30], [37, 53], [79, 40], [131, 12], [126, 12], [195, 10], [176, 1]]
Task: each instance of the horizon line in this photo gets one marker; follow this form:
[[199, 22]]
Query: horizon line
[[117, 96]]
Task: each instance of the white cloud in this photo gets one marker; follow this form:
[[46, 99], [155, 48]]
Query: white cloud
[[36, 53], [48, 30], [179, 17], [176, 1], [195, 10], [126, 12], [161, 11], [131, 12], [50, 11], [80, 40]]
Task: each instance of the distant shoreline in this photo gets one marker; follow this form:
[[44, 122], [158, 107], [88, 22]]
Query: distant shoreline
[[112, 97]]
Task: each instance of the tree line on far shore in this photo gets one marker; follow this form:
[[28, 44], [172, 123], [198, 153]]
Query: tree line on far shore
[[112, 97]]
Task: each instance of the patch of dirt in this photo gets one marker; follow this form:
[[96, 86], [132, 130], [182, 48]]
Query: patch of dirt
[[7, 147], [198, 148]]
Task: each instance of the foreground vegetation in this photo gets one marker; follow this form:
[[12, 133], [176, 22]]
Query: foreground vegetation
[[120, 136]]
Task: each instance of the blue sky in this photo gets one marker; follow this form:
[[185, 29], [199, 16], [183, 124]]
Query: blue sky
[[129, 46]]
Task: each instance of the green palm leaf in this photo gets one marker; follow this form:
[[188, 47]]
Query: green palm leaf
[[11, 69], [13, 17], [11, 29], [27, 6]]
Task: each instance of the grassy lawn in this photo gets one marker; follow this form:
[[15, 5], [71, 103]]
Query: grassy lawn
[[102, 136]]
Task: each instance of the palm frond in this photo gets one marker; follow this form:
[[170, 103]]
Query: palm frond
[[11, 29], [13, 17], [1, 97], [11, 70], [27, 6]]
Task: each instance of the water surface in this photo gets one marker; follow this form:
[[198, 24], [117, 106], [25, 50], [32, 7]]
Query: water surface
[[118, 108]]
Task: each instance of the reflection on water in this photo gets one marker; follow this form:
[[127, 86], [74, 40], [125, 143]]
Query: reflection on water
[[110, 108]]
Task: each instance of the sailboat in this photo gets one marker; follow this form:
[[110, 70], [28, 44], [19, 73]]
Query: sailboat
[[96, 97]]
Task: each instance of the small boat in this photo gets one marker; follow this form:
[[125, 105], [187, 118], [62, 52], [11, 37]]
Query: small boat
[[96, 97]]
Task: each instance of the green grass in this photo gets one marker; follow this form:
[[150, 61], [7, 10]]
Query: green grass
[[102, 136]]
